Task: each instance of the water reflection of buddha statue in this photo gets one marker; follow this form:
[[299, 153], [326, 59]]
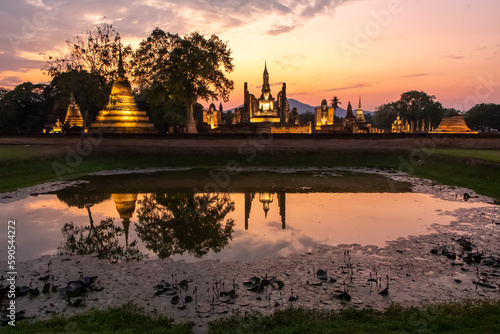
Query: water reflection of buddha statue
[[125, 205], [266, 199]]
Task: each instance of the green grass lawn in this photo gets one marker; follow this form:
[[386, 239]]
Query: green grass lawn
[[126, 319], [467, 317], [486, 155], [22, 166]]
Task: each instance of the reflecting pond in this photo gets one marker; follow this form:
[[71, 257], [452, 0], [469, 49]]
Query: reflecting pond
[[200, 214]]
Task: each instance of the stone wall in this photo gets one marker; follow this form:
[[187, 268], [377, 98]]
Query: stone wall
[[270, 142]]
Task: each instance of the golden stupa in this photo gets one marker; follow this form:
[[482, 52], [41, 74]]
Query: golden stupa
[[121, 114], [360, 116], [73, 115], [455, 124], [125, 205]]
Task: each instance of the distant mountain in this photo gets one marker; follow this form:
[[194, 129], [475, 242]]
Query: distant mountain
[[303, 107]]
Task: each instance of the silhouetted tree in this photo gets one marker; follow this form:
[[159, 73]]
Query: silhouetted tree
[[3, 91], [174, 224], [96, 51], [80, 196], [102, 239], [228, 116], [412, 106], [306, 117], [450, 112], [24, 109], [385, 115], [483, 117], [188, 69], [151, 61], [335, 102]]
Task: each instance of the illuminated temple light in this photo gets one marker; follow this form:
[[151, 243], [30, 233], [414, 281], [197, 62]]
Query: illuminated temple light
[[455, 124], [57, 127], [73, 114], [121, 114], [266, 199], [212, 116]]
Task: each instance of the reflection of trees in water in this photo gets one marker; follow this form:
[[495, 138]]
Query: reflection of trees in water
[[178, 223], [78, 197], [102, 239]]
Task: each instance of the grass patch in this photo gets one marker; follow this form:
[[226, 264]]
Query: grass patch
[[487, 155], [479, 175], [469, 317], [125, 319]]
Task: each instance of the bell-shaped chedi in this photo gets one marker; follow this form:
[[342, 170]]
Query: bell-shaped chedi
[[121, 114], [360, 116], [455, 124], [73, 114]]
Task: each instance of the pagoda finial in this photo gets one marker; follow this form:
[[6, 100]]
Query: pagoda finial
[[121, 70], [359, 103], [265, 84], [72, 98], [126, 228]]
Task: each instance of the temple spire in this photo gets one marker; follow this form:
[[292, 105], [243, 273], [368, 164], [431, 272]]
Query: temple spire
[[360, 116], [349, 109], [72, 98], [121, 70], [265, 86]]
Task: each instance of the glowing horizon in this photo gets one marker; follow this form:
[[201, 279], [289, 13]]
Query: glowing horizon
[[375, 49]]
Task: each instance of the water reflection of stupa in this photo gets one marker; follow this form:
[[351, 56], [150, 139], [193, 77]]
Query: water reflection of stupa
[[122, 115], [265, 199], [125, 205]]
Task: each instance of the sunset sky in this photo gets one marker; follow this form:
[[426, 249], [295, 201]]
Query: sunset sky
[[375, 49]]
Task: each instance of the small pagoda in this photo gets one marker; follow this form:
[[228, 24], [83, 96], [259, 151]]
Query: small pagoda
[[73, 115], [121, 114]]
